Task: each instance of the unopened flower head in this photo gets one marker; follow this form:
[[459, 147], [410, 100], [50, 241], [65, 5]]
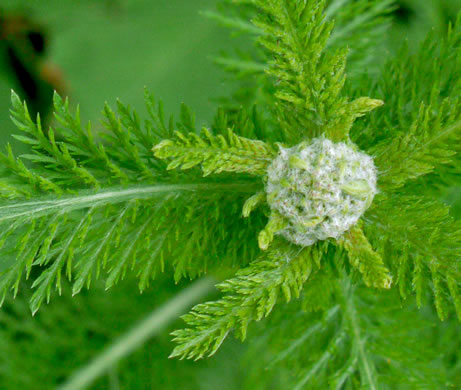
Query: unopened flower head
[[321, 188]]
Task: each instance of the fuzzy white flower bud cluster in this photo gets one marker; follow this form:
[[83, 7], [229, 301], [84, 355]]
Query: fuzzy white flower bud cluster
[[321, 189]]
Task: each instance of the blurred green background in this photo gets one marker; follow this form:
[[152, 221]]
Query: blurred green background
[[114, 48], [97, 51]]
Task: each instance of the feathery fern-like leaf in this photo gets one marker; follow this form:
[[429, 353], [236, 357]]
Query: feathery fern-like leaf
[[278, 274], [365, 259], [215, 154], [310, 79], [424, 247], [78, 206]]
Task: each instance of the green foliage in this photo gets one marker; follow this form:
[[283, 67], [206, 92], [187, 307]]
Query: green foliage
[[420, 122], [88, 194], [38, 353], [365, 259], [266, 236], [154, 196], [309, 78], [278, 274], [436, 145], [362, 27], [216, 154], [423, 248], [358, 25], [358, 341]]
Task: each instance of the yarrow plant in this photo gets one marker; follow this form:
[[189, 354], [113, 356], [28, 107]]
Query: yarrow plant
[[302, 190]]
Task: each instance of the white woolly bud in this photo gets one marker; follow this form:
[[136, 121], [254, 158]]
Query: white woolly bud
[[321, 188]]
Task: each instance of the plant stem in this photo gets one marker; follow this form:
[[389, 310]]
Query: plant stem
[[52, 204], [138, 335]]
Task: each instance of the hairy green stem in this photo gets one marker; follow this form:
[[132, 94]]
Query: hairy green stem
[[50, 205]]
